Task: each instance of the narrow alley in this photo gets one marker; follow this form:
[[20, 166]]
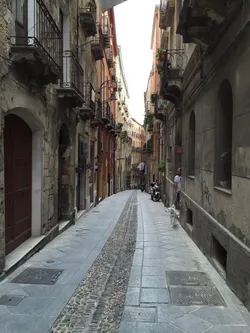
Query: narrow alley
[[120, 268]]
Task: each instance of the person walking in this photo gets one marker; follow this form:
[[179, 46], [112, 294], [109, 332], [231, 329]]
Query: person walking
[[177, 188]]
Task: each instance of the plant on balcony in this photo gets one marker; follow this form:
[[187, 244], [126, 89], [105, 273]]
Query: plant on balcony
[[153, 98], [160, 54], [149, 121], [161, 166], [159, 66]]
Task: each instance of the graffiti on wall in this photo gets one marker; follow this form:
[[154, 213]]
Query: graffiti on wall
[[205, 193]]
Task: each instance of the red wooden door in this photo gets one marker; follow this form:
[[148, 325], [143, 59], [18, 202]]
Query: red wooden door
[[18, 180]]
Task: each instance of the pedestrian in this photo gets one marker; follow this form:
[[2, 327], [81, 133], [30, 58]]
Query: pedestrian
[[177, 188]]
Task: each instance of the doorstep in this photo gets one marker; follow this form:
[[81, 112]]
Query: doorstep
[[34, 244]]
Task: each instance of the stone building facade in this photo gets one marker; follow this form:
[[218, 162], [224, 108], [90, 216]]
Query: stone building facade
[[204, 85], [123, 151], [216, 138], [37, 124], [49, 115]]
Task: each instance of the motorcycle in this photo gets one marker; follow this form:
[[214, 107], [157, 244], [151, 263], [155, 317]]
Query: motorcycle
[[156, 195], [142, 188], [151, 190]]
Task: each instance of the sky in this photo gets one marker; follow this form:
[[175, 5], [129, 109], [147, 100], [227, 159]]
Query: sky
[[134, 20]]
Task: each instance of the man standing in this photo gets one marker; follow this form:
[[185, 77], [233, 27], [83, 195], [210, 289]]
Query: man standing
[[177, 188]]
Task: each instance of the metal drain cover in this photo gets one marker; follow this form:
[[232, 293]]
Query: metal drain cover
[[185, 278], [10, 300], [202, 295], [95, 211], [45, 276]]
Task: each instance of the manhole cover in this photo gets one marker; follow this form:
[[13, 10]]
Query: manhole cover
[[185, 278], [186, 296], [38, 276], [10, 300], [95, 211]]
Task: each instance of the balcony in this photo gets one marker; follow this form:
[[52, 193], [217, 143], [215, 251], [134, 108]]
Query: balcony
[[97, 120], [171, 77], [106, 113], [110, 57], [88, 18], [167, 8], [35, 50], [113, 74], [87, 111], [106, 33], [71, 86], [200, 19], [161, 109], [111, 123], [149, 145], [97, 49]]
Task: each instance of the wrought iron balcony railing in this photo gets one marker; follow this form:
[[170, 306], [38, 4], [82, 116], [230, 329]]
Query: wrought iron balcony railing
[[106, 112], [42, 38], [97, 120], [97, 48], [88, 18], [110, 56], [72, 80], [106, 32], [173, 67], [87, 111], [166, 13]]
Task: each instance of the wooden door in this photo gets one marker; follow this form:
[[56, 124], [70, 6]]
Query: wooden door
[[18, 181]]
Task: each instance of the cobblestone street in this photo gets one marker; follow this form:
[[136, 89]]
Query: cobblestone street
[[120, 268]]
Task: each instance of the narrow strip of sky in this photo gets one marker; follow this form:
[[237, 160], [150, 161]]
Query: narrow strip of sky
[[134, 19]]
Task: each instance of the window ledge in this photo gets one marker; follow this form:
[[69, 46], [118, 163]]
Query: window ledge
[[191, 177], [224, 190]]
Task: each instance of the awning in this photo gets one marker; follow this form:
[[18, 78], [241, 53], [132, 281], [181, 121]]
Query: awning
[[108, 4]]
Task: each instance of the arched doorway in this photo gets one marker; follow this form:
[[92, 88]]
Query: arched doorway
[[63, 172], [18, 181]]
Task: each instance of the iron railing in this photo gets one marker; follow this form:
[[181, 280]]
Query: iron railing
[[106, 112], [73, 74], [173, 67], [89, 7], [90, 96], [166, 12], [44, 34]]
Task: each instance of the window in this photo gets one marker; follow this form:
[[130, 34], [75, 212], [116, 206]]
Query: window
[[19, 9], [224, 137], [189, 218], [219, 256], [191, 155]]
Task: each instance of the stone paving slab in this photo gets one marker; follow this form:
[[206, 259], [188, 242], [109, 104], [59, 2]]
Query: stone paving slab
[[73, 251], [171, 249]]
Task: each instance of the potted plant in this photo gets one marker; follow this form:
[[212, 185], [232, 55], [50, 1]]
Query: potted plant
[[160, 54], [160, 66], [161, 166], [153, 97], [179, 150]]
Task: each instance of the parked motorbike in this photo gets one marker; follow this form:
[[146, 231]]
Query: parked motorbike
[[151, 190], [142, 188], [156, 195]]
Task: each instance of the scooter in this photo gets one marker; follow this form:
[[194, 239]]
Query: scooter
[[156, 193], [142, 188], [151, 190]]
